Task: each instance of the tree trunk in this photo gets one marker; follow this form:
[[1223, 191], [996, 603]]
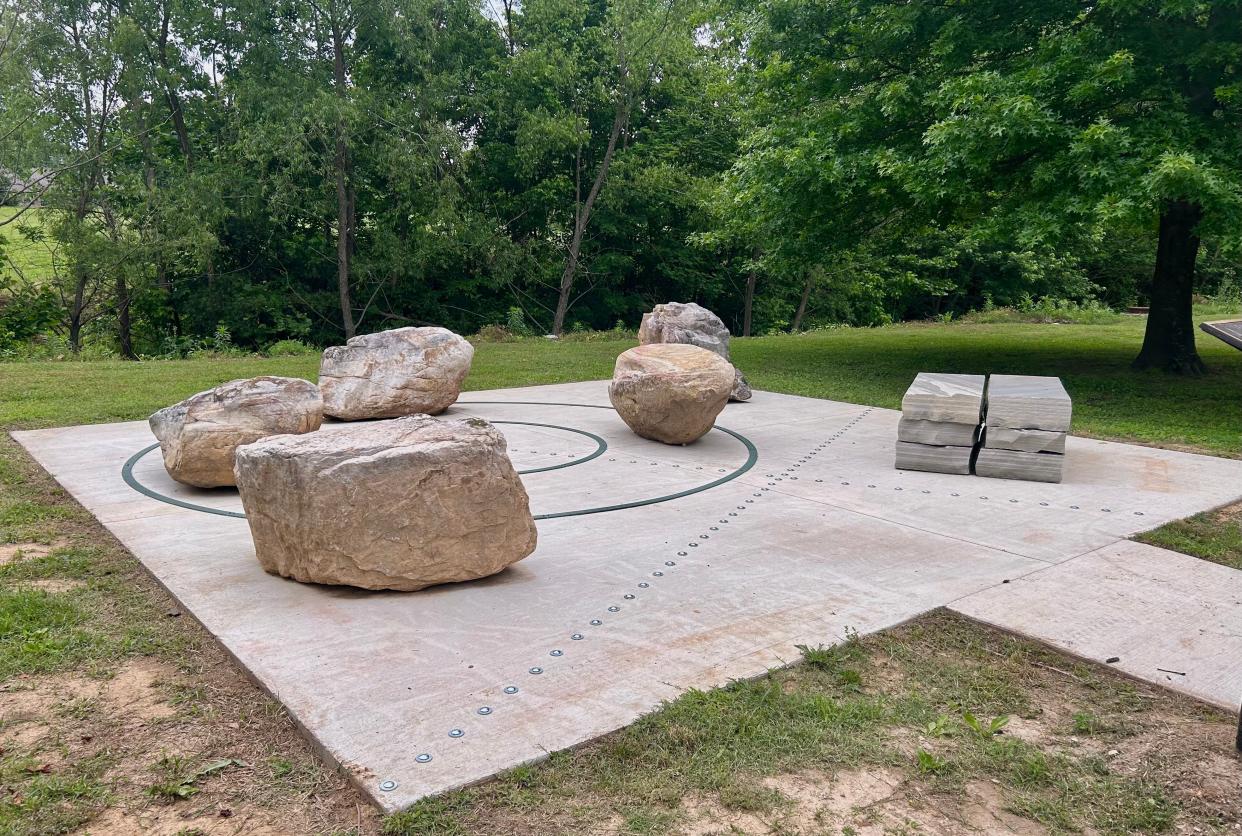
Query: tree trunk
[[583, 218], [806, 294], [77, 310], [748, 304], [175, 110], [1169, 342], [124, 331], [344, 189]]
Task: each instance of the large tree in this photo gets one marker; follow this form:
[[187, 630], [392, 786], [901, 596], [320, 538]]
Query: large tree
[[1037, 124]]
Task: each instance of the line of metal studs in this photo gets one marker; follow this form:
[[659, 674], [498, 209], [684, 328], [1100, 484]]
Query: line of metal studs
[[556, 653], [986, 498], [786, 474]]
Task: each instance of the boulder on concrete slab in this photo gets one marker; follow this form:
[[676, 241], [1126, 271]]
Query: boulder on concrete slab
[[199, 436], [401, 504], [670, 392], [691, 324], [405, 371]]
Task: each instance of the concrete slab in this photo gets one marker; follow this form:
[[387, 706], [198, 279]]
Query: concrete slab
[[1028, 402], [955, 398], [998, 463], [1167, 618], [1028, 441], [786, 528], [937, 433], [933, 459]]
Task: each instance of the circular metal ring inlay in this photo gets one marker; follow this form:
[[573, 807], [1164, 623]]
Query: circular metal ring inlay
[[127, 470]]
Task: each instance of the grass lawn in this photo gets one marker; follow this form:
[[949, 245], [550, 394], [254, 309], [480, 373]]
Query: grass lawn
[[870, 366], [118, 711], [32, 258]]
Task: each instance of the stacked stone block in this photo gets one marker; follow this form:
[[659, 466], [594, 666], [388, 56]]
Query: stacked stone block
[[940, 418], [1024, 433]]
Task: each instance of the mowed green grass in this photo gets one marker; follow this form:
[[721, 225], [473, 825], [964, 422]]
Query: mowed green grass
[[867, 366], [32, 258]]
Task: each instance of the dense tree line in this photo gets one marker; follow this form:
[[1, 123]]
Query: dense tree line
[[308, 169]]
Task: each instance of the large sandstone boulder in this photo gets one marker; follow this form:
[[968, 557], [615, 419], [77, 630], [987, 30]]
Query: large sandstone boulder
[[691, 324], [670, 392], [199, 436], [400, 504], [406, 371]]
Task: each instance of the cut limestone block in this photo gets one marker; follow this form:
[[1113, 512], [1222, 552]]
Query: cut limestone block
[[956, 398], [405, 371], [1028, 402], [1015, 464], [400, 504], [938, 433], [933, 459], [670, 392], [691, 324], [199, 436], [1027, 441]]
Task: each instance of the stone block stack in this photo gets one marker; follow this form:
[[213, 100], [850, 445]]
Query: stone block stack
[[1024, 433], [940, 418]]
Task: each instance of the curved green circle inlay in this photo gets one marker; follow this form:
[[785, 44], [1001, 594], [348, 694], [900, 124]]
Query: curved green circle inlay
[[752, 456]]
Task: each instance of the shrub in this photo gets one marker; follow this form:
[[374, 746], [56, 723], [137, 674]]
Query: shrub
[[290, 348]]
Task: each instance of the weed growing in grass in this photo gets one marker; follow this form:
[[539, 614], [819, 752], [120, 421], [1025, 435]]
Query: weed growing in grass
[[984, 730], [929, 763], [176, 779]]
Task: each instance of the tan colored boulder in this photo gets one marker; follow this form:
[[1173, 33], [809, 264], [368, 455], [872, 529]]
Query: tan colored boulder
[[406, 371], [199, 436], [400, 504], [692, 324], [670, 392]]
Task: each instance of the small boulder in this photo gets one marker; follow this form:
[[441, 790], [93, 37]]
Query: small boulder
[[406, 371], [670, 392], [199, 436], [691, 324], [401, 504]]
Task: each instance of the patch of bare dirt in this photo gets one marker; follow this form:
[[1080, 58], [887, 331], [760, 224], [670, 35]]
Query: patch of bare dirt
[[1230, 513], [54, 585], [10, 552], [172, 820], [707, 817], [870, 802], [136, 690]]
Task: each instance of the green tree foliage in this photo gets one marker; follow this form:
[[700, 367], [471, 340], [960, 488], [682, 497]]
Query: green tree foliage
[[995, 137], [308, 169]]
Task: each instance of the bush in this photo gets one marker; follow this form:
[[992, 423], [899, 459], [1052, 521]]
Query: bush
[[494, 334], [290, 348], [1047, 310]]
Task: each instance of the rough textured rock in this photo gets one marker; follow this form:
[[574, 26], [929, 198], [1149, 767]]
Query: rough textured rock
[[670, 392], [1014, 464], [956, 398], [691, 324], [938, 433], [199, 436], [406, 371], [933, 459], [400, 504]]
